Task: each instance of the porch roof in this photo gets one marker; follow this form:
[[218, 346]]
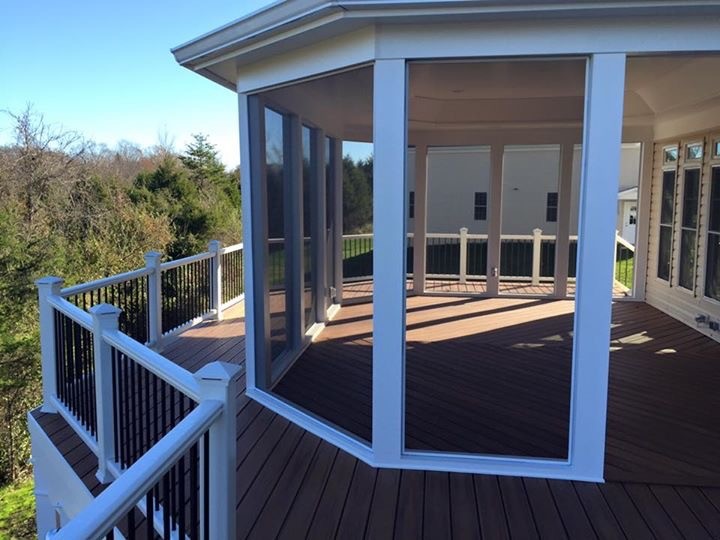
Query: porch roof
[[289, 24]]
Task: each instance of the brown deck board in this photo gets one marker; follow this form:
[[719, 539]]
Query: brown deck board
[[492, 376], [662, 432]]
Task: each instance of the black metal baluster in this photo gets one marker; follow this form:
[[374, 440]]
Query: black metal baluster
[[149, 529], [148, 411], [116, 406], [126, 398], [194, 491], [131, 524], [181, 496], [134, 411], [206, 485], [166, 511]]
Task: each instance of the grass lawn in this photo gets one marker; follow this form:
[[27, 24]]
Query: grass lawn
[[17, 511]]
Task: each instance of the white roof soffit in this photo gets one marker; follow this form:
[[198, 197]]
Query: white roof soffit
[[302, 22]]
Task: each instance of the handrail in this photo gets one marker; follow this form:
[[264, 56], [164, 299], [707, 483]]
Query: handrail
[[105, 282], [230, 249], [185, 260], [620, 240], [100, 517], [80, 316], [169, 371]]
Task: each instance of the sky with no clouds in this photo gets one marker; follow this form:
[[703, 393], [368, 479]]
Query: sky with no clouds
[[104, 69]]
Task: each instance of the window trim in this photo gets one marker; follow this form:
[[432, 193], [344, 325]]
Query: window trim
[[480, 206], [710, 232], [670, 148], [670, 224], [680, 217], [694, 144], [552, 207]]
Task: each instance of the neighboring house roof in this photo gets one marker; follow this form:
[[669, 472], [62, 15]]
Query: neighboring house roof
[[630, 194], [297, 23]]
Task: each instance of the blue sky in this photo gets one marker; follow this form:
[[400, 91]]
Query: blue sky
[[105, 69]]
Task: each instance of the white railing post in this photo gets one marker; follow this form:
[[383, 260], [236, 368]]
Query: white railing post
[[152, 262], [48, 286], [105, 318], [463, 254], [537, 245], [615, 253], [215, 247], [219, 381]]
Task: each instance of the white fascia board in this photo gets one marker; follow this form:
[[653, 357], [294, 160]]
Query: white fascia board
[[254, 34]]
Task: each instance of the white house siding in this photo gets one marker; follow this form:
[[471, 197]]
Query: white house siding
[[667, 296], [530, 172]]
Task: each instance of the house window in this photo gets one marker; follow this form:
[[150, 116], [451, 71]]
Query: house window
[[551, 208], [480, 205], [694, 151], [667, 211], [712, 268], [411, 204], [688, 232], [670, 155], [716, 148]]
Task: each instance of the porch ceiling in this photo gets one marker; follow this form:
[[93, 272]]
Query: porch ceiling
[[505, 94]]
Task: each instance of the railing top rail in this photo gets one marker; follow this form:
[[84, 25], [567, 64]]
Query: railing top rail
[[361, 235], [620, 240], [230, 249], [105, 282], [101, 516], [185, 260], [169, 371], [80, 316]]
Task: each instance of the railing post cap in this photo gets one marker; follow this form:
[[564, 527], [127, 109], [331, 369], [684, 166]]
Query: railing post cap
[[537, 231], [214, 245], [105, 310], [463, 229], [218, 372], [153, 255], [48, 281]]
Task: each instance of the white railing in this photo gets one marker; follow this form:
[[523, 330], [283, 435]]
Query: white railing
[[624, 264], [452, 256], [93, 373], [164, 298]]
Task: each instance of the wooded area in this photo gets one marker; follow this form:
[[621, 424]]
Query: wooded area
[[78, 210]]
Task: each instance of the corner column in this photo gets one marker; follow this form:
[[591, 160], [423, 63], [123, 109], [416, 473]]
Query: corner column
[[336, 162], [562, 236], [605, 87], [420, 232], [494, 241], [389, 260]]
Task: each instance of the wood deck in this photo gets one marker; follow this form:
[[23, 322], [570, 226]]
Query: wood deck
[[291, 484]]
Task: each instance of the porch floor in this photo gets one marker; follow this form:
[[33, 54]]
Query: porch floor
[[291, 484]]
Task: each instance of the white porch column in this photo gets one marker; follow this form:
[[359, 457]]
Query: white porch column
[[593, 309], [319, 225], [495, 223], [48, 286], [250, 182], [642, 233], [562, 237], [293, 179], [336, 163], [420, 232], [389, 224]]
